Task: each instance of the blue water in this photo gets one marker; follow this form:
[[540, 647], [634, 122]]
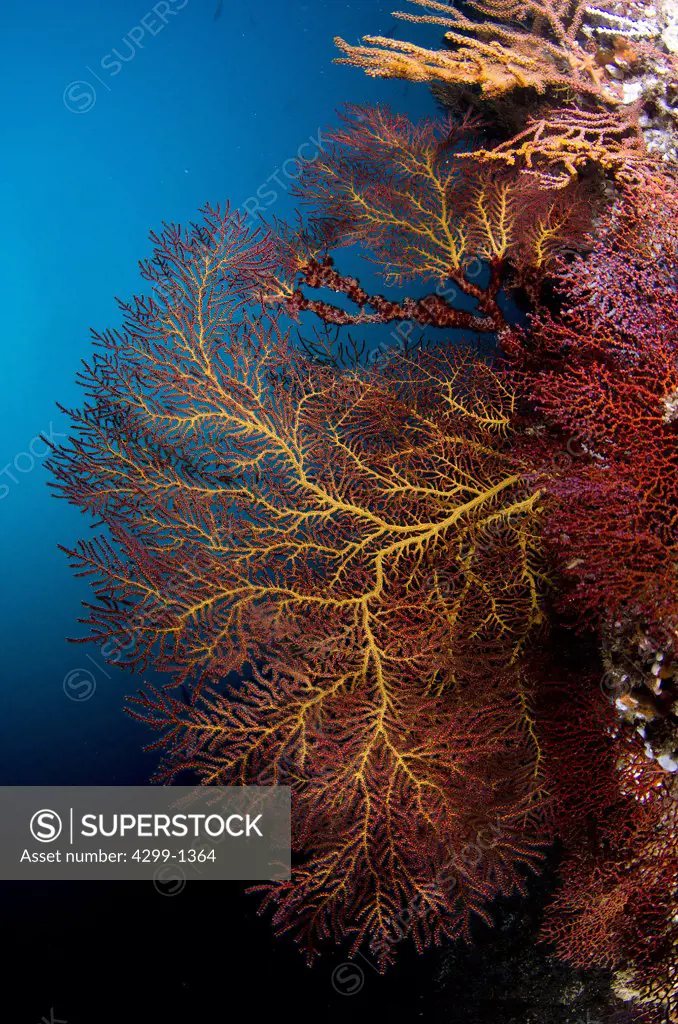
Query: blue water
[[98, 148]]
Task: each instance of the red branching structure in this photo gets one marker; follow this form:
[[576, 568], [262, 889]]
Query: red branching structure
[[368, 543], [605, 373], [365, 541], [619, 910], [616, 907], [388, 804], [399, 191]]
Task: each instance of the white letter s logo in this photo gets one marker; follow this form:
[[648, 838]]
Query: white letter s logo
[[46, 826]]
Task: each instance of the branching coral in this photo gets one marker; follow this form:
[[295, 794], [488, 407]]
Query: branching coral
[[392, 790], [367, 547], [399, 191], [605, 373], [619, 898], [557, 147], [509, 45], [320, 495], [366, 542]]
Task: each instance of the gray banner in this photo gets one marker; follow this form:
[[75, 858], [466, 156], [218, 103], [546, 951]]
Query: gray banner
[[164, 833]]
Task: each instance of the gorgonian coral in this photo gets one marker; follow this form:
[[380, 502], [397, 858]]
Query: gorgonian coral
[[401, 192], [605, 373], [368, 549], [618, 900], [365, 541], [413, 805], [508, 45], [236, 476]]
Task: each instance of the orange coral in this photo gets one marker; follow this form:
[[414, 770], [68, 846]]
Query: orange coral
[[511, 45], [557, 146]]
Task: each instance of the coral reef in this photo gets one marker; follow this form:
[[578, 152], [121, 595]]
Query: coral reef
[[639, 45], [618, 54], [448, 585]]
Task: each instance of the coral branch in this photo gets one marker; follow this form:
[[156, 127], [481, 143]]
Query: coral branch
[[510, 45], [399, 191], [365, 542], [557, 147]]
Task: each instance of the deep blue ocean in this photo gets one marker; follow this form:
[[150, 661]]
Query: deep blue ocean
[[117, 117]]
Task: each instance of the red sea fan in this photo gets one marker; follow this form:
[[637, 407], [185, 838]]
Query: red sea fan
[[400, 191], [365, 542], [604, 374], [615, 812], [407, 818]]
